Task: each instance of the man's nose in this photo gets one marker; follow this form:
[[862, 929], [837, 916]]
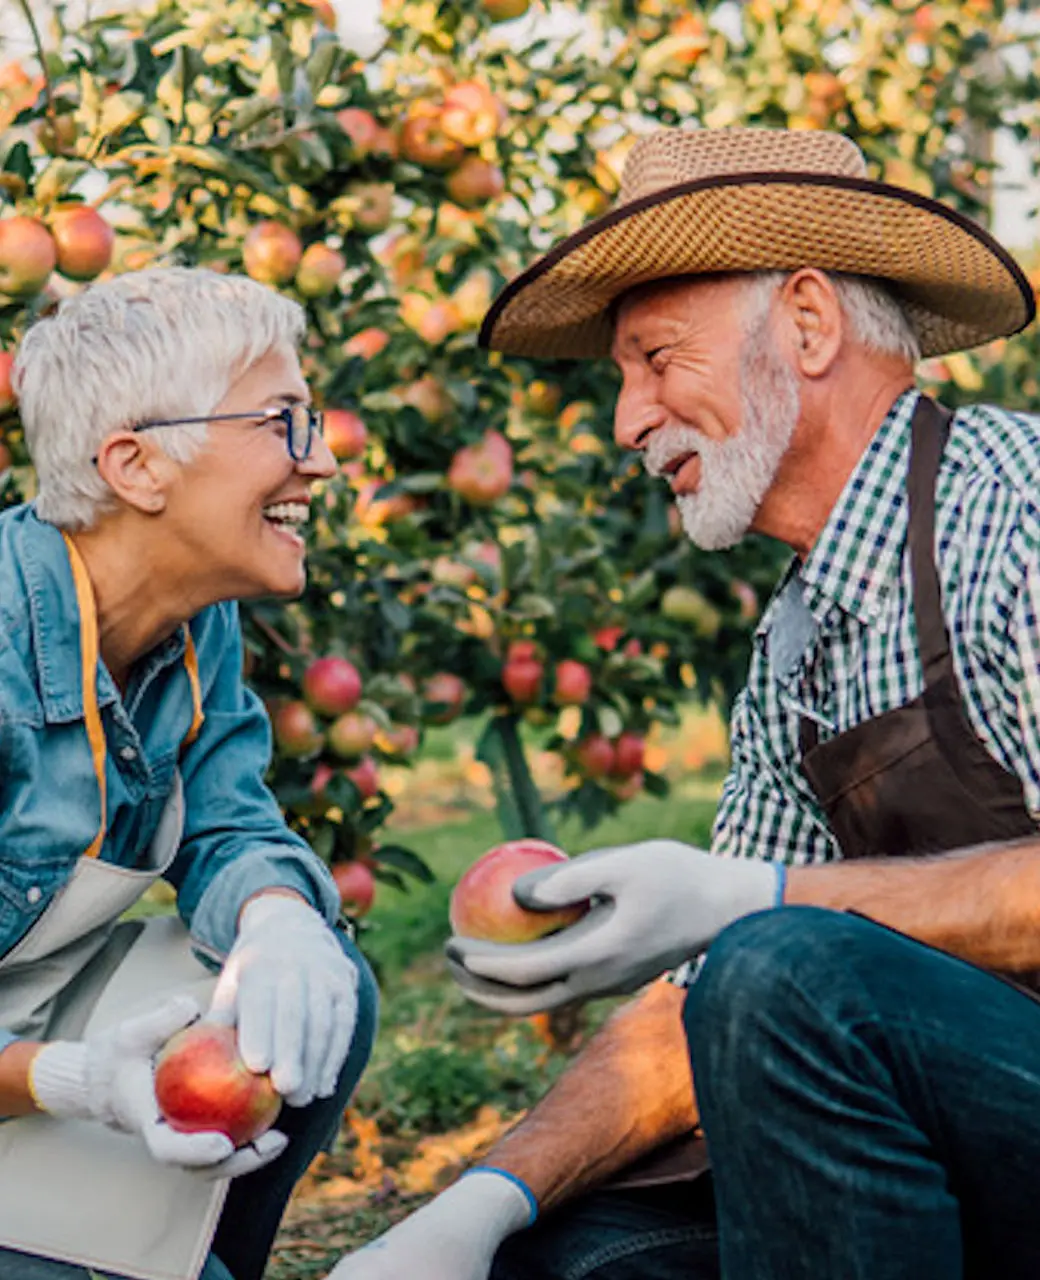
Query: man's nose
[[635, 423]]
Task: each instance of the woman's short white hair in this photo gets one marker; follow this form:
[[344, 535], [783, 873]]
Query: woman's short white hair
[[878, 320], [163, 343]]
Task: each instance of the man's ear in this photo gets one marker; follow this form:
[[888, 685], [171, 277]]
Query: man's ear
[[815, 322], [136, 470]]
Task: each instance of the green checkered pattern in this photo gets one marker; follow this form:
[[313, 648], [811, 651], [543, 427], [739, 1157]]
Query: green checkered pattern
[[864, 660]]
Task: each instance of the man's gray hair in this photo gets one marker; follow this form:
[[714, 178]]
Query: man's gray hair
[[164, 343], [876, 317]]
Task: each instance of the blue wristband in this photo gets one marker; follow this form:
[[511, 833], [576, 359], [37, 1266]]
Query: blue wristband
[[781, 883], [517, 1182]]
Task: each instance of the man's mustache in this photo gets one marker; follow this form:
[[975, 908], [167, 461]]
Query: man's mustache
[[669, 443]]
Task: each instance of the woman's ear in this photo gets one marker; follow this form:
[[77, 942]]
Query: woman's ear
[[137, 472], [815, 321]]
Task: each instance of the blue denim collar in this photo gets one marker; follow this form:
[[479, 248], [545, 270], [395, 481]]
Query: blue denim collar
[[55, 629]]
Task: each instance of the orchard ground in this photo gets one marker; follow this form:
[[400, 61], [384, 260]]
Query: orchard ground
[[447, 1078]]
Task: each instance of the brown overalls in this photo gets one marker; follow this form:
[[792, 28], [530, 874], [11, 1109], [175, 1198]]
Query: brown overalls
[[912, 781]]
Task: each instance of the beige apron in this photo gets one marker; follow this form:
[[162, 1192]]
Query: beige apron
[[75, 1190]]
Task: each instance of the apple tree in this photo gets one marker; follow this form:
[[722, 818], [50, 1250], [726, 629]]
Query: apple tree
[[484, 550]]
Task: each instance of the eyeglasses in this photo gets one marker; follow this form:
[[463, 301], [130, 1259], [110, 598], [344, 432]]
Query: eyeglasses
[[302, 423]]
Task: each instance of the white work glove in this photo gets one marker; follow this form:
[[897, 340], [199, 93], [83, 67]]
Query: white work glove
[[454, 1237], [292, 994], [655, 905], [110, 1077]]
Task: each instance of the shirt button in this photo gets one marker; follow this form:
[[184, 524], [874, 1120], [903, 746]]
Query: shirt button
[[128, 753], [33, 895]]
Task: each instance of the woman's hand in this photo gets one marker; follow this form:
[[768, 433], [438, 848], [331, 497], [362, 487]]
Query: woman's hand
[[292, 994], [110, 1077]]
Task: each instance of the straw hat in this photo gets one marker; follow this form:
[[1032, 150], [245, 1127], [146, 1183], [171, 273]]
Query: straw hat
[[699, 201]]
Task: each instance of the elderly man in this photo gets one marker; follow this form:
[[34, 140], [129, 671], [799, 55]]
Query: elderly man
[[175, 449], [867, 1074]]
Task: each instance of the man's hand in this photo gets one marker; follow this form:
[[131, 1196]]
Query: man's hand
[[110, 1077], [454, 1237], [292, 994], [654, 905]]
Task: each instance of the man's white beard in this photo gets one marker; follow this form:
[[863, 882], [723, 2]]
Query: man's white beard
[[736, 472]]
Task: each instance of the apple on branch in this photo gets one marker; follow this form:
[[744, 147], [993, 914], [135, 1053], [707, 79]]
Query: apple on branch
[[482, 903]]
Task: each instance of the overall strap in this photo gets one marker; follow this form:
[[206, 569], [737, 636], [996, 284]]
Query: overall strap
[[929, 431], [88, 649], [89, 660]]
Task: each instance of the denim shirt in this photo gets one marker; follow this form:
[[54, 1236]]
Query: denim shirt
[[235, 841]]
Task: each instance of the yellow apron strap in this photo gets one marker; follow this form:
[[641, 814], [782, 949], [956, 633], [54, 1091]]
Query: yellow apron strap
[[191, 665], [88, 645], [89, 657]]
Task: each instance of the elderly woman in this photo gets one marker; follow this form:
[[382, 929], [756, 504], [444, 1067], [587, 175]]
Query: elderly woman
[[175, 448]]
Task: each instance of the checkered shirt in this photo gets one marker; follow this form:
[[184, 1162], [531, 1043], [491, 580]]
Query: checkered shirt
[[862, 660]]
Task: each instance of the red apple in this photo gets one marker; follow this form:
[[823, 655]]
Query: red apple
[[475, 182], [452, 573], [202, 1085], [345, 433], [521, 651], [351, 734], [483, 472], [594, 755], [296, 730], [471, 113], [356, 885], [445, 693], [424, 141], [373, 205], [8, 399], [84, 242], [368, 136], [331, 686], [482, 903], [365, 776], [271, 252], [366, 343], [522, 679], [627, 788], [629, 752], [319, 271], [28, 255], [427, 395], [608, 638], [573, 683]]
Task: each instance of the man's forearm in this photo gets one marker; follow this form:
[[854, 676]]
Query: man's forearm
[[628, 1091], [982, 904]]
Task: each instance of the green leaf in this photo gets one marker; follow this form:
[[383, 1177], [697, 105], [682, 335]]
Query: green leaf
[[396, 855]]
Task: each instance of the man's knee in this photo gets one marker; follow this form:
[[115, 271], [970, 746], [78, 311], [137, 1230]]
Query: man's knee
[[768, 967]]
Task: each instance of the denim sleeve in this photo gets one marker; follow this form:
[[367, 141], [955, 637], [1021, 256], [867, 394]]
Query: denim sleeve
[[235, 841], [6, 1037]]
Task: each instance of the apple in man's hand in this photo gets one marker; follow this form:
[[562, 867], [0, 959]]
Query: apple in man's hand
[[482, 903], [203, 1086]]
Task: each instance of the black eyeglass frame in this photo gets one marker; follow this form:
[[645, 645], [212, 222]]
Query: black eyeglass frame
[[315, 424]]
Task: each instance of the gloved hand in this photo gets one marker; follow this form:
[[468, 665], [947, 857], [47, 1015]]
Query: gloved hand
[[110, 1077], [292, 994], [454, 1237], [655, 904]]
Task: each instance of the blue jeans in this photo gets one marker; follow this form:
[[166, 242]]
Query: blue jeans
[[872, 1105], [873, 1111], [255, 1203]]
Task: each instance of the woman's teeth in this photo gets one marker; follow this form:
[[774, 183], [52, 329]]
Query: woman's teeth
[[290, 513]]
